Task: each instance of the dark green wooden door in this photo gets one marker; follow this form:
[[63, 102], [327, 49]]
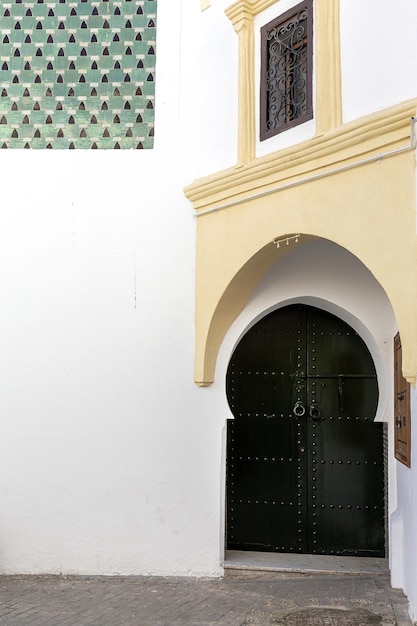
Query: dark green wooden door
[[304, 458]]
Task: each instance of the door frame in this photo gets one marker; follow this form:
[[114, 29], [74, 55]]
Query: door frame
[[248, 318], [314, 311]]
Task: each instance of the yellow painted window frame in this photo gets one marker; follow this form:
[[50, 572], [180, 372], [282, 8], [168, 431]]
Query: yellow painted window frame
[[328, 93]]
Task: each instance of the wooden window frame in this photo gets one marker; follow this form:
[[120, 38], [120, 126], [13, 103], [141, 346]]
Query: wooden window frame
[[402, 409], [307, 42]]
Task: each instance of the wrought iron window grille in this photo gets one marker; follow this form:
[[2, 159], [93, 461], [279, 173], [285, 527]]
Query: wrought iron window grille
[[286, 70]]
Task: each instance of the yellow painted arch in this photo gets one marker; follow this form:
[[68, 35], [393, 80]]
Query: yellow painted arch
[[358, 192]]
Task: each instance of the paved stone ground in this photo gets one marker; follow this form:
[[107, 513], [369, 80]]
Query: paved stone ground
[[240, 599]]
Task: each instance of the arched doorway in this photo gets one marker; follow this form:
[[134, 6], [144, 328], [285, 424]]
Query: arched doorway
[[305, 471]]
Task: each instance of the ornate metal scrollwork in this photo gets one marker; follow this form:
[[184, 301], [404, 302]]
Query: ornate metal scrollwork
[[286, 79]]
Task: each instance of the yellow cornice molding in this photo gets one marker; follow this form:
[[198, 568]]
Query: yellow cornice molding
[[242, 9], [364, 136], [261, 5], [247, 7]]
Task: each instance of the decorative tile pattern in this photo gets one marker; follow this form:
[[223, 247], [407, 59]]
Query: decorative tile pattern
[[77, 74]]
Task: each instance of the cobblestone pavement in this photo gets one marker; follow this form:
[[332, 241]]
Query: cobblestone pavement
[[244, 599]]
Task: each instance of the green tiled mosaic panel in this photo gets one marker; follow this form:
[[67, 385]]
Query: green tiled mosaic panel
[[77, 74]]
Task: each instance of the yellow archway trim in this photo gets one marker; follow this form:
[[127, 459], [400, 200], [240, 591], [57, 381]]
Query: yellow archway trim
[[366, 137], [354, 185]]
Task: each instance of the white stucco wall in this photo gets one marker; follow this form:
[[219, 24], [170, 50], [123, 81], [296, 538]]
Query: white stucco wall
[[404, 522], [98, 404], [210, 97], [379, 55]]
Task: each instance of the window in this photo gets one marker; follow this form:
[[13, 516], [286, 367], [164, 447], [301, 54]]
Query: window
[[286, 70], [402, 415]]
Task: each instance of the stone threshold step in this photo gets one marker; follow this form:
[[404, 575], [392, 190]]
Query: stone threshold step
[[303, 563]]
